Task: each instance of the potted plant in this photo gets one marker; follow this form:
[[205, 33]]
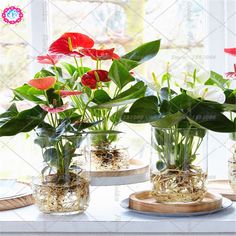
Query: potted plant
[[106, 93], [230, 88], [180, 117], [63, 184]]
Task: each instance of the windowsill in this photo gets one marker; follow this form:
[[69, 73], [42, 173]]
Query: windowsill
[[105, 215]]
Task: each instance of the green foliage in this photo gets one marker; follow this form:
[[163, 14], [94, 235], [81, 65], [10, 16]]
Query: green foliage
[[73, 71], [59, 132], [128, 96], [10, 112], [150, 110], [54, 98], [119, 74], [29, 93], [24, 121], [217, 79], [144, 110], [141, 54], [43, 73], [100, 97], [116, 116]]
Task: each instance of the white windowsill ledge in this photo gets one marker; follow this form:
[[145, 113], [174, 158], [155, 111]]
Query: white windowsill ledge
[[105, 217]]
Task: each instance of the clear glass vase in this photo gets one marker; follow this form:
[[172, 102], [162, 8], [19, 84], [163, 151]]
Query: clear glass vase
[[232, 164], [108, 151], [63, 185], [179, 164]]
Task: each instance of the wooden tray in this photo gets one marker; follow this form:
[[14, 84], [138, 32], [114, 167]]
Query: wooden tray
[[143, 201], [14, 195], [137, 172], [222, 187]]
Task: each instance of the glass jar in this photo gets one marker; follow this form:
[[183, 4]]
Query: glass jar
[[63, 185], [179, 164], [232, 164], [108, 151]]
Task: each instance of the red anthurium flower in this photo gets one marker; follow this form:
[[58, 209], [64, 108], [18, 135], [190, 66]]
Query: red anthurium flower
[[102, 74], [55, 109], [65, 93], [69, 42], [48, 59], [89, 81], [230, 75], [115, 56], [231, 51], [99, 54], [43, 83], [91, 78]]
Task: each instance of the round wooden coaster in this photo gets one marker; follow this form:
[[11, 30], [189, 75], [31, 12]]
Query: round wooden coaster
[[143, 201], [14, 195], [222, 187], [136, 167], [137, 172]]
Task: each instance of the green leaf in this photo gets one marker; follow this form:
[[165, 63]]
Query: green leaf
[[119, 74], [129, 64], [61, 128], [128, 96], [43, 73], [217, 79], [70, 114], [57, 70], [116, 116], [101, 96], [73, 71], [45, 130], [70, 68], [29, 93], [44, 142], [24, 121], [81, 71], [50, 156], [210, 118], [135, 91], [181, 102], [230, 96], [54, 98], [168, 121], [11, 111], [67, 113], [144, 105], [165, 107], [142, 53], [160, 165], [144, 110], [164, 93]]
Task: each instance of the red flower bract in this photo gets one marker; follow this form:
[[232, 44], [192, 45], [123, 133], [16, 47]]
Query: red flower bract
[[91, 78], [97, 54], [230, 75], [65, 93], [231, 51], [68, 42], [48, 59], [43, 83], [55, 109]]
